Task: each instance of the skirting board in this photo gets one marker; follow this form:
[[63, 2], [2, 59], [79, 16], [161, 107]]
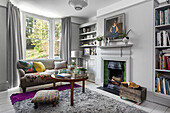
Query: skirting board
[[4, 86], [156, 99]]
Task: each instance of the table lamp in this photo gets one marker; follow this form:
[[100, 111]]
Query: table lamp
[[76, 54]]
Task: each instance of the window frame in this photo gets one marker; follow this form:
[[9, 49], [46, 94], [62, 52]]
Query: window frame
[[51, 34], [56, 20]]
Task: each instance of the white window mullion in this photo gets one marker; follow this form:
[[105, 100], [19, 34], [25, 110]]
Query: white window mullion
[[51, 37]]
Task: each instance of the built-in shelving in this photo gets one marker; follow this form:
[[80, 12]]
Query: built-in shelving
[[87, 46], [161, 48], [164, 26], [160, 70], [162, 95], [87, 39], [87, 36], [162, 7], [88, 33], [117, 46]]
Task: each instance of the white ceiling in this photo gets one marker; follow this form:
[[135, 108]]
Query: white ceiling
[[60, 8]]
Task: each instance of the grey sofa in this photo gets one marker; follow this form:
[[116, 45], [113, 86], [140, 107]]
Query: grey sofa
[[33, 79]]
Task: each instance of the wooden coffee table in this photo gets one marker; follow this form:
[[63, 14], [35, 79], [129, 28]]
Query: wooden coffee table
[[72, 80]]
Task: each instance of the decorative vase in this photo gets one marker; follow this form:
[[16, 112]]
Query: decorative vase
[[126, 40], [108, 42], [84, 30]]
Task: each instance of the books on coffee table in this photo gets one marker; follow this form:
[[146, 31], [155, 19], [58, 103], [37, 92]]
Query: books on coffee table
[[63, 75]]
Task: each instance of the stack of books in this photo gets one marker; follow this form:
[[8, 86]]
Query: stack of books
[[162, 83], [162, 38], [162, 17], [63, 75], [163, 60]]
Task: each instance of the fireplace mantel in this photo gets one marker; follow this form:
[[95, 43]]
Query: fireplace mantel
[[117, 46]]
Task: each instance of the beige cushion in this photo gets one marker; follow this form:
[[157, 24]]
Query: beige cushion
[[44, 96], [60, 65]]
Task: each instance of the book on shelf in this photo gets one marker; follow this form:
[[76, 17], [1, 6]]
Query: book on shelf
[[158, 83], [164, 87], [162, 38], [165, 38], [167, 89], [162, 17], [164, 63], [163, 60], [168, 63], [157, 18], [162, 83]]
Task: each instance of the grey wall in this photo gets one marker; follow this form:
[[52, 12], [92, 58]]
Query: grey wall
[[139, 18], [75, 37], [3, 2], [3, 71]]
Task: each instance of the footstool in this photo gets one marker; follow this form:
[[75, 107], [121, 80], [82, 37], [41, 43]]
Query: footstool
[[46, 96]]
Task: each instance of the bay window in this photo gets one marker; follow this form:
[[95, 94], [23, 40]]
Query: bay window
[[39, 35]]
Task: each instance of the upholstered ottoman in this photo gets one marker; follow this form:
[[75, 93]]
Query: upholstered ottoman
[[46, 96]]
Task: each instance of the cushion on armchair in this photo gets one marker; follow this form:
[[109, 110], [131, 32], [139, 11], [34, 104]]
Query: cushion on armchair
[[26, 66]]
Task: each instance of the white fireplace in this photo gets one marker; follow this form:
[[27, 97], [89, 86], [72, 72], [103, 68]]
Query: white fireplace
[[113, 53]]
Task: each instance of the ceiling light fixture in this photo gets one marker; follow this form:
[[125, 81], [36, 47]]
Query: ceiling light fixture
[[78, 4]]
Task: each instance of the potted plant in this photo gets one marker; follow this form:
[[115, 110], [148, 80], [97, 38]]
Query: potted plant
[[99, 39], [73, 63], [82, 70], [125, 37]]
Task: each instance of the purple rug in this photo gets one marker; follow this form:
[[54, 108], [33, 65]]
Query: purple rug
[[26, 95]]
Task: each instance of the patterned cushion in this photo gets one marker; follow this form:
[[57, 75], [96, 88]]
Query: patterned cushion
[[60, 65], [26, 66], [32, 77], [44, 96], [39, 66]]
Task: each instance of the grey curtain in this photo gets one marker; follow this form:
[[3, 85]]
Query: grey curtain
[[14, 44], [66, 39]]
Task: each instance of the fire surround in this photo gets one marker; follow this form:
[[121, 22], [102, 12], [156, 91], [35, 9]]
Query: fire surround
[[113, 53]]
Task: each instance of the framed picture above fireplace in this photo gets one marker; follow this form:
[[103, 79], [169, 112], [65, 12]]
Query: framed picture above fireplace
[[114, 26]]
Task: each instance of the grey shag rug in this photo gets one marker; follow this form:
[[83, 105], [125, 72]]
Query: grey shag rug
[[88, 102]]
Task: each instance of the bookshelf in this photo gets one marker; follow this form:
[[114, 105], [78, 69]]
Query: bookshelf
[[88, 45], [162, 51], [88, 38]]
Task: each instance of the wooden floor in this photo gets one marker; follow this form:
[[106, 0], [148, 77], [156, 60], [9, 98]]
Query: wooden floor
[[6, 106]]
